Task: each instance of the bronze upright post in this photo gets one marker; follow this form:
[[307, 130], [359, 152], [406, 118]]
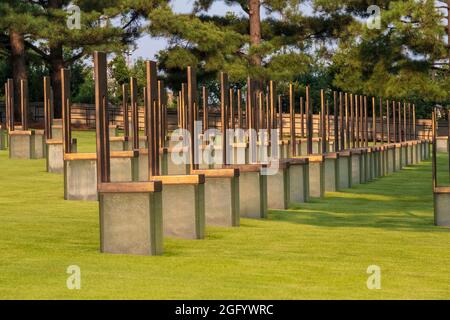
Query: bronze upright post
[[134, 112], [205, 108], [347, 125], [184, 105], [366, 124], [357, 121], [24, 103], [327, 117], [399, 128], [374, 122], [292, 118], [309, 129], [231, 105], [302, 118], [266, 111], [322, 121], [249, 104], [250, 124], [152, 120], [10, 114], [404, 122], [6, 104], [336, 120], [361, 121], [224, 101], [272, 101], [47, 108], [239, 107], [260, 115], [101, 118], [280, 116], [192, 103], [352, 121], [160, 111], [66, 116], [126, 123], [388, 122], [434, 149], [179, 109], [409, 121], [381, 120], [394, 124], [146, 108]]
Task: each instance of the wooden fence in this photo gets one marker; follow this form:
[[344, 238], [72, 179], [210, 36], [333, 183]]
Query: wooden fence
[[83, 116]]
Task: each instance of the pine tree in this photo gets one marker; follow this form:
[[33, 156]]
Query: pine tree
[[401, 60], [283, 50], [105, 25]]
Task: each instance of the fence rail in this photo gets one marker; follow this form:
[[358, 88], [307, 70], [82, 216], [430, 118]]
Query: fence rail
[[83, 116]]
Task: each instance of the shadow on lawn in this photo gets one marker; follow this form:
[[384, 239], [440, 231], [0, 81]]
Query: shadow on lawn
[[401, 201]]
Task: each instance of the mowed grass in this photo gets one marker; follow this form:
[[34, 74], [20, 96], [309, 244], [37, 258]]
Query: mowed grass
[[319, 250]]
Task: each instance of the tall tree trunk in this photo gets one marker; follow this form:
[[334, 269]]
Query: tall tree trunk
[[18, 65], [254, 7], [56, 64]]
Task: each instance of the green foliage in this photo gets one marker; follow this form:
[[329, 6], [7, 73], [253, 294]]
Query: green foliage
[[399, 60], [85, 92], [221, 43]]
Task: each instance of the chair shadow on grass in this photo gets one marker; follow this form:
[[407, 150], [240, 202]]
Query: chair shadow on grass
[[400, 201]]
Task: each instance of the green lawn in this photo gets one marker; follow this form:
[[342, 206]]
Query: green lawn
[[319, 250]]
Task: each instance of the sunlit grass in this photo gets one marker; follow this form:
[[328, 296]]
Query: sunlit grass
[[319, 250]]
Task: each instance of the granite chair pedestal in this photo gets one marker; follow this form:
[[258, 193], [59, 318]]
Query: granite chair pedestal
[[80, 173], [252, 191], [55, 155], [221, 197], [441, 197], [28, 144], [131, 219], [345, 170], [183, 206], [332, 177]]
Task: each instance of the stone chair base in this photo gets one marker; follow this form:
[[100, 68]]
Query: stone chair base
[[252, 191], [357, 160], [131, 219], [331, 171], [221, 197], [316, 176], [55, 155], [166, 164], [289, 184], [119, 144], [80, 173], [27, 144], [345, 170], [442, 206], [183, 206]]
